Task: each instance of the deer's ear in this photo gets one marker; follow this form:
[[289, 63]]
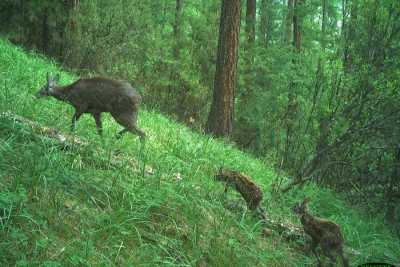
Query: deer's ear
[[305, 201], [48, 76], [56, 78]]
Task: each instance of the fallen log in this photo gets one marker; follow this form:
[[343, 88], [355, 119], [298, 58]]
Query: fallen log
[[65, 140], [69, 141]]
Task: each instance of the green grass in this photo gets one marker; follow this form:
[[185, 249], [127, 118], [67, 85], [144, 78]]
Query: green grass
[[91, 206]]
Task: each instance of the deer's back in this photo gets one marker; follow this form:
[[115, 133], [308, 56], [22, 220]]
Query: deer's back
[[103, 95]]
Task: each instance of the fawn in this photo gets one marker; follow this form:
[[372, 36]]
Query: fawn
[[251, 193], [322, 232]]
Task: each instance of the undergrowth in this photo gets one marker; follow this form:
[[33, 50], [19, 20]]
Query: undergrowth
[[115, 203]]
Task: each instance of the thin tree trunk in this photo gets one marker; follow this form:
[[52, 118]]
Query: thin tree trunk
[[246, 132], [288, 23], [292, 99], [393, 191], [45, 31], [249, 47], [72, 53], [251, 23], [220, 119], [177, 28], [323, 25], [320, 75], [264, 21], [181, 95], [324, 121], [297, 24], [349, 34]]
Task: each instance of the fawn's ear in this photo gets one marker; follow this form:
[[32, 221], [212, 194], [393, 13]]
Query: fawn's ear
[[305, 201]]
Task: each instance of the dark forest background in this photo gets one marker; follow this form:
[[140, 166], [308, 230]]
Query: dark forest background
[[317, 85]]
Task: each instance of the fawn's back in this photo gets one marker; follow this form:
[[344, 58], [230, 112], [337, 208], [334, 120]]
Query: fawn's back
[[243, 184]]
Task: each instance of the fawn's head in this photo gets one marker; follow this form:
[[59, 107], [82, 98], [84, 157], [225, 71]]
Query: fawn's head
[[48, 88], [221, 175], [301, 208]]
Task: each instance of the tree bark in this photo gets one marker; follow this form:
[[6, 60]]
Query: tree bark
[[292, 107], [323, 26], [251, 23], [174, 76], [297, 24], [393, 190], [323, 121], [220, 119], [72, 54], [249, 47], [45, 31], [177, 28], [349, 35], [288, 23], [262, 32]]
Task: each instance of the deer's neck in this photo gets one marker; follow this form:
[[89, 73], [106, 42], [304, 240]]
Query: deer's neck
[[61, 93]]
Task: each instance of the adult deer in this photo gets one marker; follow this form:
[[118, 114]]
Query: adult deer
[[95, 96]]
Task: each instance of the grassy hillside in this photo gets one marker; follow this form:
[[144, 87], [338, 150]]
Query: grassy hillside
[[77, 208]]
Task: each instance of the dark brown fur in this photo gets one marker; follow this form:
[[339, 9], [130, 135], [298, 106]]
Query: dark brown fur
[[322, 232], [98, 95], [251, 193]]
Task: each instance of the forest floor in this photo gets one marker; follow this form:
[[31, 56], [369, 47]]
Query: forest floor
[[112, 203]]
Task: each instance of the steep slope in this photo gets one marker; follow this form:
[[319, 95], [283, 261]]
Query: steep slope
[[80, 207]]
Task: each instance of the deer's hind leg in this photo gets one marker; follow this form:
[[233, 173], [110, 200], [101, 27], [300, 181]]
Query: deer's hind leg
[[129, 121]]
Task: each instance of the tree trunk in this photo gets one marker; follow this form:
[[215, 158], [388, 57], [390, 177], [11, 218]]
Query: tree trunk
[[251, 23], [45, 31], [220, 119], [349, 35], [267, 17], [323, 26], [249, 47], [72, 55], [174, 76], [177, 28], [393, 190], [292, 98], [288, 23], [323, 121], [297, 24]]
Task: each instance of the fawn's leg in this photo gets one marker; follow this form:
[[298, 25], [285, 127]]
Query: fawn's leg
[[344, 259], [261, 213], [313, 248], [330, 250]]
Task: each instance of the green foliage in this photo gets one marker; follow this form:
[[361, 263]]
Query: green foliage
[[92, 206]]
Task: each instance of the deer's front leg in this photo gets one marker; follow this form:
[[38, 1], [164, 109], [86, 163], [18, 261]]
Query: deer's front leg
[[97, 118], [75, 118]]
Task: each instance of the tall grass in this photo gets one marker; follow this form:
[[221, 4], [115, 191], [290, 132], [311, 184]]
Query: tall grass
[[111, 203]]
